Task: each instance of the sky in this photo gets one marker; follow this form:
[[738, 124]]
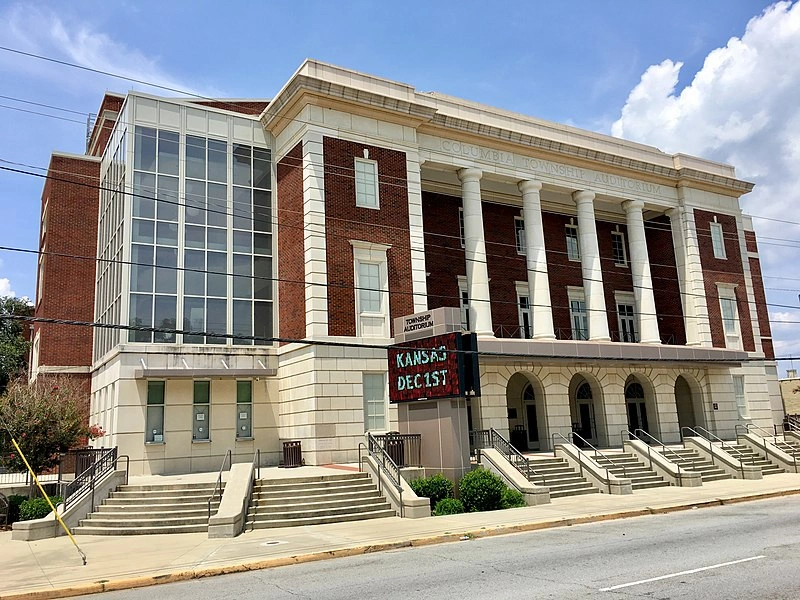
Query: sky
[[715, 78]]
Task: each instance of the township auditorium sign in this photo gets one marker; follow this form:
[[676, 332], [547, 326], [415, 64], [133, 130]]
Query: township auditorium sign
[[442, 366]]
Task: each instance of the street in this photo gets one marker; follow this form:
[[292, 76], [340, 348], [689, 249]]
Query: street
[[747, 550]]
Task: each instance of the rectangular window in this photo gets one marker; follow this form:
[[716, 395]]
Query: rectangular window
[[519, 232], [578, 316], [374, 401], [741, 399], [371, 281], [461, 226], [369, 287], [201, 420], [154, 432], [573, 246], [524, 311], [627, 323], [728, 306], [463, 299], [366, 183], [718, 241], [618, 249], [244, 409]]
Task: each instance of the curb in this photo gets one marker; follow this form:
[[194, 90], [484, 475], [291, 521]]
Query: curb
[[150, 580]]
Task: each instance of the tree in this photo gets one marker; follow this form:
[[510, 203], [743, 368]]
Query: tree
[[45, 417], [13, 345]]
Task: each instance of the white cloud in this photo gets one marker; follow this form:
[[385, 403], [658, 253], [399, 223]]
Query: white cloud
[[742, 108], [5, 288]]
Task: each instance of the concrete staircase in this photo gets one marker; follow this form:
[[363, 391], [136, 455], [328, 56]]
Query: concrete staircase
[[151, 509], [750, 457], [315, 500], [691, 460], [791, 447], [560, 477], [626, 465]]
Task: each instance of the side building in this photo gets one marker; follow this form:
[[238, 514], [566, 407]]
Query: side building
[[252, 256]]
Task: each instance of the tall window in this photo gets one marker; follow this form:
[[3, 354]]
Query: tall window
[[627, 323], [519, 232], [461, 226], [463, 302], [578, 315], [718, 240], [728, 306], [372, 289], [618, 248], [244, 409], [524, 311], [573, 247], [730, 315], [201, 421], [154, 428], [741, 398], [366, 183], [374, 401]]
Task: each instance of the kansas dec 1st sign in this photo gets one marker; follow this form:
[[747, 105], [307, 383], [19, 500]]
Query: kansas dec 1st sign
[[430, 368]]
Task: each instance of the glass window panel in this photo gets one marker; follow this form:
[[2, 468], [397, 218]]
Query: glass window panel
[[217, 238], [142, 231], [166, 271], [195, 236], [244, 392], [201, 415], [242, 280], [167, 205], [167, 234], [244, 417], [262, 278], [144, 152], [262, 211], [168, 152], [155, 392], [242, 165], [217, 161], [242, 321], [242, 208], [217, 213], [217, 282], [194, 319], [202, 392], [155, 424], [194, 276], [195, 201], [165, 315], [217, 320], [141, 315], [369, 287], [141, 269], [242, 241], [262, 322], [144, 186], [195, 157], [260, 169], [262, 243]]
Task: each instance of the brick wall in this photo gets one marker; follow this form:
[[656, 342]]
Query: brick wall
[[444, 257], [615, 278], [723, 270], [561, 271], [664, 273], [101, 131], [344, 221], [246, 107], [762, 311], [505, 266], [291, 250], [67, 288]]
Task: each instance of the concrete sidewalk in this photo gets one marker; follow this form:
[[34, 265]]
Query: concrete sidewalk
[[52, 568]]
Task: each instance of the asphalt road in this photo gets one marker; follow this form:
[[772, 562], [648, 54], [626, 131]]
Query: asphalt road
[[749, 550]]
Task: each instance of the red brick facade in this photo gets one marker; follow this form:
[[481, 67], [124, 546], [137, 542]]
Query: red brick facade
[[291, 250], [444, 256], [505, 265], [344, 221], [666, 286], [723, 270], [104, 125], [561, 271], [246, 107], [67, 283], [762, 311]]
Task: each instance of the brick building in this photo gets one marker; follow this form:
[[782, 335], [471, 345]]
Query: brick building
[[255, 255]]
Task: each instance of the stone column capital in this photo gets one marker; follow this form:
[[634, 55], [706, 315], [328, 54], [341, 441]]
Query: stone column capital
[[470, 174], [674, 213], [583, 196], [528, 186], [632, 205]]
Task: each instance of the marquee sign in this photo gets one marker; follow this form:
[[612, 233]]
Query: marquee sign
[[434, 367]]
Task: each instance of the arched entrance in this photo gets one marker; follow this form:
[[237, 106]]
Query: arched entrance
[[636, 406], [525, 404], [582, 410], [689, 403]]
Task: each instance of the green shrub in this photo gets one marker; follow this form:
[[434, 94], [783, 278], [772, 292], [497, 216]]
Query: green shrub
[[436, 487], [36, 508], [448, 506], [512, 499], [13, 507], [481, 490]]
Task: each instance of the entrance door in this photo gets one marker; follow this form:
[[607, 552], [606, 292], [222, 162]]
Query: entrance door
[[637, 416], [533, 427], [585, 423]]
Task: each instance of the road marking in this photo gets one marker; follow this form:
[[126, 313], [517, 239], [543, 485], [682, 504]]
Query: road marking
[[689, 572]]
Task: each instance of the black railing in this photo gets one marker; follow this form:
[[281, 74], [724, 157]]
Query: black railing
[[84, 483], [218, 486], [404, 448], [385, 464], [478, 439], [791, 423], [490, 438], [752, 428], [639, 434], [519, 332], [705, 434]]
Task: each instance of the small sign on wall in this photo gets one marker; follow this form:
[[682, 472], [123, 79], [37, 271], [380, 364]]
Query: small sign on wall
[[201, 417], [715, 406]]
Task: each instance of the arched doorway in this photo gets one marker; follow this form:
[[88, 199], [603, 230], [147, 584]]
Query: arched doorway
[[525, 405], [688, 402], [582, 411], [636, 406]]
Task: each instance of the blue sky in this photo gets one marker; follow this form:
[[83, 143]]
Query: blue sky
[[717, 78]]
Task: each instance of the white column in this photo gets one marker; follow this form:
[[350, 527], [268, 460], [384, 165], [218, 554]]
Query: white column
[[416, 231], [690, 276], [640, 269], [536, 260], [475, 250], [316, 266], [590, 265]]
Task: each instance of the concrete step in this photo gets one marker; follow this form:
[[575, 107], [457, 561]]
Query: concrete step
[[157, 508], [352, 496], [93, 530], [644, 485], [298, 491], [144, 521], [320, 506], [261, 523], [566, 494], [300, 511]]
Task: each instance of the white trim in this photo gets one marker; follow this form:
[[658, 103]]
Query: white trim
[[373, 254], [726, 292]]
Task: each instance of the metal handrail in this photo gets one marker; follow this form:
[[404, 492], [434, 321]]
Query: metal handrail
[[764, 438], [664, 449], [85, 482], [514, 456], [256, 477], [711, 438], [580, 454], [218, 486], [385, 464]]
